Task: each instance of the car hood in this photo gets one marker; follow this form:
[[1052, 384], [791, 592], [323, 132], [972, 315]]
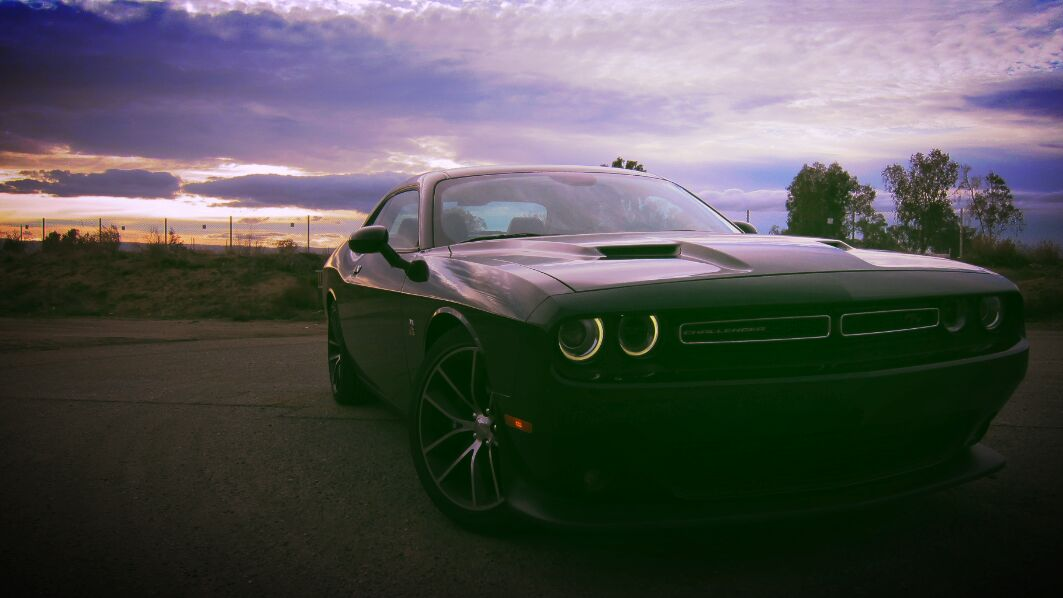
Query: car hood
[[590, 262]]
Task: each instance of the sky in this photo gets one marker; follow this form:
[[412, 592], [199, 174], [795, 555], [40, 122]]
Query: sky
[[279, 109]]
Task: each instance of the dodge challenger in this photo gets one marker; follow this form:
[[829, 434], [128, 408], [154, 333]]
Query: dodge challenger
[[596, 346]]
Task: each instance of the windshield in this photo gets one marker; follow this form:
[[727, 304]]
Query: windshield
[[566, 203]]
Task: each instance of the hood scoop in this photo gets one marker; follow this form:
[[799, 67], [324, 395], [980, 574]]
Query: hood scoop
[[639, 252], [836, 244]]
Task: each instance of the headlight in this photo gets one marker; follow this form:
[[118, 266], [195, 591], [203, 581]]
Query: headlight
[[638, 334], [991, 312], [954, 315], [580, 339]]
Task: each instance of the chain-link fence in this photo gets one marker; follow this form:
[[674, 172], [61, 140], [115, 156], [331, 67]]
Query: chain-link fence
[[308, 233]]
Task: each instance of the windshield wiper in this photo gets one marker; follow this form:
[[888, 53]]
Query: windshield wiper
[[505, 236]]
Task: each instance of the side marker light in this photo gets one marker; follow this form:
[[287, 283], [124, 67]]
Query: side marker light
[[518, 423]]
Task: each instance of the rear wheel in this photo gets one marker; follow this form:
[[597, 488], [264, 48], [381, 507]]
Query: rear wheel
[[454, 435], [346, 388]]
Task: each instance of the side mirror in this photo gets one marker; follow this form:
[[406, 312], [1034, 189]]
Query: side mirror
[[745, 227], [374, 239], [368, 239]]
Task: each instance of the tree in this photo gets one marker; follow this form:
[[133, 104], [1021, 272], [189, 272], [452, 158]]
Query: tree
[[876, 233], [286, 245], [628, 164], [860, 214], [994, 208], [921, 194], [968, 184], [827, 201]]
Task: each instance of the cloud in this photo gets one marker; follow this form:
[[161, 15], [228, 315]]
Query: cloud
[[734, 200], [1039, 201], [330, 192], [164, 83], [324, 85], [1041, 96], [112, 183]]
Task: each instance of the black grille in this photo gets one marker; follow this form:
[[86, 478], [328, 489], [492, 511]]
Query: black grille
[[755, 330], [889, 321]]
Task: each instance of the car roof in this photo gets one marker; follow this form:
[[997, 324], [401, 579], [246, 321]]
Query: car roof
[[528, 168]]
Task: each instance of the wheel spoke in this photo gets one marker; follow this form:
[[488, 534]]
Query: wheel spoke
[[454, 387], [472, 380], [445, 413], [472, 473], [334, 363], [460, 458], [491, 462], [441, 439]]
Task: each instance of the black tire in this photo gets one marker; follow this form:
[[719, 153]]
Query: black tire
[[457, 455], [347, 389]]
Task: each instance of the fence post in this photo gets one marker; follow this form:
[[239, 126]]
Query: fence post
[[100, 232], [308, 233]]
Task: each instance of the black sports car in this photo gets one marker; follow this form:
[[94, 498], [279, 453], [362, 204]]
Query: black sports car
[[596, 346]]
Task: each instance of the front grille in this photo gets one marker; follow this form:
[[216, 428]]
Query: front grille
[[755, 330], [889, 321]]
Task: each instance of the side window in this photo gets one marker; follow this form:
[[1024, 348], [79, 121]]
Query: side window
[[400, 217]]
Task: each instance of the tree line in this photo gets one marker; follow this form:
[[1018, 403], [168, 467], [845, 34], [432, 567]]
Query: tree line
[[828, 201]]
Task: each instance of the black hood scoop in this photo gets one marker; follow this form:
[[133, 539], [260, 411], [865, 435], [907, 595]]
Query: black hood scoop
[[639, 252]]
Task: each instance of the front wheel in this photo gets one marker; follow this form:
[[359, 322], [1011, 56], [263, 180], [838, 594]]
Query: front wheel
[[346, 388], [454, 435]]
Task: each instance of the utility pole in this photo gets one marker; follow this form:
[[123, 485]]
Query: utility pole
[[100, 231], [961, 235], [308, 233], [230, 232], [42, 232]]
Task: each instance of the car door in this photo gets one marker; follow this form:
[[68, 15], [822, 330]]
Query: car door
[[374, 326]]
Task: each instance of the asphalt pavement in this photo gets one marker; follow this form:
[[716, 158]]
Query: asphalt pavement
[[192, 458]]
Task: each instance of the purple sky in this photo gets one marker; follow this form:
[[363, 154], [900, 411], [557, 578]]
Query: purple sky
[[201, 109]]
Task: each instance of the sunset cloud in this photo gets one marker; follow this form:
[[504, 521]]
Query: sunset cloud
[[333, 192], [718, 96], [114, 183]]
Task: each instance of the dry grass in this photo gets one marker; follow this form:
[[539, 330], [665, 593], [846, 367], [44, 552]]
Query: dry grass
[[161, 284]]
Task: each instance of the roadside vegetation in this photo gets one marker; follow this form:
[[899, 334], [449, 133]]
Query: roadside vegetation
[[1037, 270], [942, 208], [78, 274]]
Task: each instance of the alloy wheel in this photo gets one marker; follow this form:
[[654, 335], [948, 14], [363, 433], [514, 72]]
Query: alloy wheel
[[457, 431]]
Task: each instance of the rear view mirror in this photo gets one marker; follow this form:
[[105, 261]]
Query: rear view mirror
[[746, 227]]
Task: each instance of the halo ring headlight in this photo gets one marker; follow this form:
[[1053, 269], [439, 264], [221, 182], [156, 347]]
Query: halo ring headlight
[[579, 340], [638, 334], [954, 315], [991, 312]]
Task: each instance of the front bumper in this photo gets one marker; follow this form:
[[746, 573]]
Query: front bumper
[[673, 453]]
